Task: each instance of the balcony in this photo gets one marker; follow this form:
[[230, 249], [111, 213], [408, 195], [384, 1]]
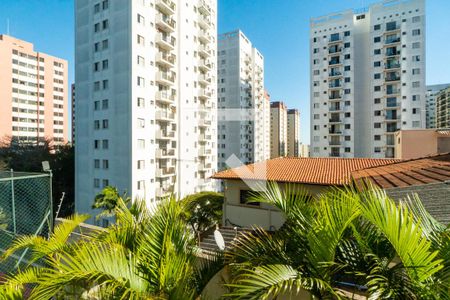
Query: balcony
[[391, 27], [204, 37], [390, 41], [164, 135], [204, 51], [335, 120], [204, 22], [392, 52], [334, 61], [391, 127], [334, 49], [165, 78], [165, 41], [335, 142], [333, 131], [165, 116], [164, 153], [204, 8], [164, 172], [334, 73], [335, 84], [392, 103], [204, 123], [392, 65], [204, 65], [204, 79], [165, 23], [166, 6], [335, 108], [165, 97], [204, 167], [335, 96], [392, 77], [204, 137], [167, 60], [162, 192], [392, 91], [391, 115], [203, 94], [202, 151], [335, 38], [335, 154]]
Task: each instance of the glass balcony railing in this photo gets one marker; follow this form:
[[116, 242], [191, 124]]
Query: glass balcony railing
[[334, 73], [392, 65], [334, 62], [392, 40], [335, 84]]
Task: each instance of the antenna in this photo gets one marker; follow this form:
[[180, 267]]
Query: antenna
[[7, 26]]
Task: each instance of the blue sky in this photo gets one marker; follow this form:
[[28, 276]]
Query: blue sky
[[278, 28]]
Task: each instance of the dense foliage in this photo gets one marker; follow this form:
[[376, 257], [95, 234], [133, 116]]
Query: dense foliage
[[204, 210]]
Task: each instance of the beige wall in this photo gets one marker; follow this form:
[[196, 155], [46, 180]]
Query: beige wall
[[29, 81], [265, 216], [293, 133], [278, 129], [420, 143]]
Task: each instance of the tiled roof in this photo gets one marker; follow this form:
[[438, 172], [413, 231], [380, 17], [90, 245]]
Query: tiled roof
[[411, 172], [322, 171]]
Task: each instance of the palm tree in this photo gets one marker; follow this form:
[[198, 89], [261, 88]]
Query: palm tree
[[341, 239], [149, 253]]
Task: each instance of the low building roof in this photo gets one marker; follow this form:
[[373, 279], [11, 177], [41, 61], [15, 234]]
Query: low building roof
[[418, 171], [321, 171]]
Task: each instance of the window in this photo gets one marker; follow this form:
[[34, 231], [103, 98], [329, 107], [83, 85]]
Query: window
[[105, 182], [96, 105], [415, 97], [96, 144], [347, 33], [416, 19], [244, 197], [140, 164], [141, 144], [391, 26], [316, 61], [140, 40], [377, 113], [346, 68], [416, 84], [140, 185], [140, 19], [105, 104], [347, 149], [347, 45], [416, 71], [96, 66], [96, 47], [348, 138], [105, 124], [347, 56], [377, 51], [416, 32], [377, 101], [141, 123], [105, 4], [347, 91], [377, 149], [376, 125], [140, 61], [105, 64], [316, 72], [316, 116], [105, 144], [347, 79], [416, 58], [347, 115], [96, 85], [316, 50], [377, 137], [377, 76], [105, 84], [105, 164], [416, 124], [105, 44], [140, 81], [96, 124], [377, 63], [377, 88], [415, 111], [105, 24], [97, 8], [96, 27], [96, 163], [96, 183], [416, 45], [347, 126], [140, 102], [377, 39], [377, 27]]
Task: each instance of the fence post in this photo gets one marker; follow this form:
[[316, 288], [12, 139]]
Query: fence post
[[50, 174], [13, 203]]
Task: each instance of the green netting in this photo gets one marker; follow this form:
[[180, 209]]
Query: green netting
[[25, 209]]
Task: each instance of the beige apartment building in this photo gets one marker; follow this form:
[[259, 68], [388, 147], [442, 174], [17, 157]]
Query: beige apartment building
[[410, 144], [293, 132], [443, 109], [278, 129], [33, 93]]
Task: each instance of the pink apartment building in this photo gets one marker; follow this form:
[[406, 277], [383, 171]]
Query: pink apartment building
[[33, 93]]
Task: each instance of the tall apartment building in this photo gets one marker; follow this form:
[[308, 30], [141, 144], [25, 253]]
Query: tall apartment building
[[367, 78], [293, 133], [443, 108], [278, 129], [430, 105], [72, 89], [33, 93], [242, 103], [145, 83]]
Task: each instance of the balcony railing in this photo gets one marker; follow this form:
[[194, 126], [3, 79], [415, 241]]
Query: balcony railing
[[395, 77], [392, 65], [164, 153], [335, 120], [204, 8], [165, 115], [335, 97], [334, 131], [390, 52], [389, 41], [165, 96], [166, 6], [161, 134], [334, 73], [166, 41], [165, 22], [166, 59], [334, 62], [165, 77], [335, 84], [165, 172], [335, 107]]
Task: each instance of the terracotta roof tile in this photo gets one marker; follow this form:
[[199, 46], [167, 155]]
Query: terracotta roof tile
[[432, 169], [322, 171]]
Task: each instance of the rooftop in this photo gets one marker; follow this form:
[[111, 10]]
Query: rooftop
[[321, 171], [419, 171]]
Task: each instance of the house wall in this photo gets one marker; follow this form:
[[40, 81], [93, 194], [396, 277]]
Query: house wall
[[245, 215]]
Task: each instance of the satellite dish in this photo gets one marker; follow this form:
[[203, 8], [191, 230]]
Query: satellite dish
[[219, 240]]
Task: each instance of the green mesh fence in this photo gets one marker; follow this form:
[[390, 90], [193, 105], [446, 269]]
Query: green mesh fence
[[25, 209]]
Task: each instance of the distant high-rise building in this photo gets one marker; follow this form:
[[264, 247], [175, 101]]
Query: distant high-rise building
[[293, 132], [304, 150], [72, 89], [367, 78], [430, 106], [278, 129], [443, 108], [33, 94], [145, 81], [242, 103]]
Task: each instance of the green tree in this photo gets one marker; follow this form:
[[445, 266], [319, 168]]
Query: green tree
[[361, 238], [204, 210], [147, 254]]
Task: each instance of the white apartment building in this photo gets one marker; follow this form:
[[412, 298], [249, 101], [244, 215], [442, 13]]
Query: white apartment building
[[145, 82], [430, 105], [293, 132], [278, 129], [367, 78], [244, 111]]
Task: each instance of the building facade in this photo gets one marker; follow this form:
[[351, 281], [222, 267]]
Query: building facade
[[367, 78], [278, 129], [293, 132], [33, 94], [242, 103], [72, 90], [145, 82], [430, 105], [443, 108]]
